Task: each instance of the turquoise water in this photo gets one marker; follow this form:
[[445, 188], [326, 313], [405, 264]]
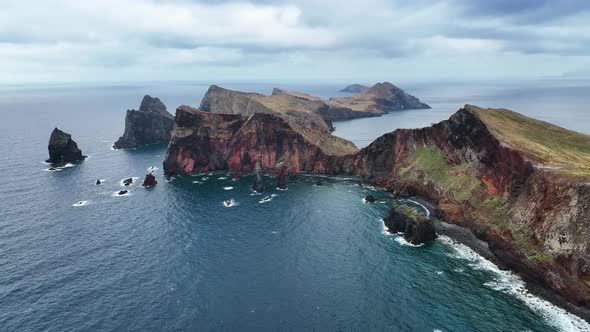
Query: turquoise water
[[175, 258]]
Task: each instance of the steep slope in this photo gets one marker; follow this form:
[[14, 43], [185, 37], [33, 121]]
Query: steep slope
[[151, 124], [491, 170]]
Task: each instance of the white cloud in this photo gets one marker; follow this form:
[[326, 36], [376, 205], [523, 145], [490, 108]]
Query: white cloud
[[101, 39]]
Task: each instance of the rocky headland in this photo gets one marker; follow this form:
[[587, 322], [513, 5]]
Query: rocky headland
[[207, 141], [151, 124], [518, 184], [378, 100], [355, 88], [63, 149]]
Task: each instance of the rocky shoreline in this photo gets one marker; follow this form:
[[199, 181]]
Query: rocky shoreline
[[477, 174], [465, 236]]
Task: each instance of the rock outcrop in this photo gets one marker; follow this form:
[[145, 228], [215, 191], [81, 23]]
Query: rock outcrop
[[417, 228], [151, 124], [381, 98], [370, 199], [258, 185], [63, 149], [150, 180], [282, 177], [355, 88]]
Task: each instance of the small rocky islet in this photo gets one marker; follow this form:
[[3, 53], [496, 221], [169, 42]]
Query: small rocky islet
[[63, 149], [492, 171], [151, 124]]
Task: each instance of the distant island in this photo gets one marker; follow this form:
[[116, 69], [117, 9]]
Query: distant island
[[355, 88]]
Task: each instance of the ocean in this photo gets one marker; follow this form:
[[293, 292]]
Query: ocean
[[74, 256]]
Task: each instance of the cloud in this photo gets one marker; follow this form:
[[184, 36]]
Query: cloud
[[140, 35]]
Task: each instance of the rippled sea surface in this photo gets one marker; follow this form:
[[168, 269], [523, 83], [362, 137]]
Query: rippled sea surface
[[175, 258]]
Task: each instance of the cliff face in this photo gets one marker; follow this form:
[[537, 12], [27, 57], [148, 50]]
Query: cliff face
[[63, 149], [483, 170], [205, 141], [151, 124]]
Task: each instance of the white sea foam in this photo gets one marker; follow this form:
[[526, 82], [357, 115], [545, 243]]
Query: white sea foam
[[267, 199], [509, 283], [152, 169], [222, 178], [424, 207], [399, 238], [231, 203], [371, 188], [384, 228], [228, 188], [52, 169], [205, 178], [197, 182], [80, 203], [281, 189]]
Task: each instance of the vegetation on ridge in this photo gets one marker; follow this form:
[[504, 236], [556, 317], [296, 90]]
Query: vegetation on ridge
[[546, 143], [428, 164]]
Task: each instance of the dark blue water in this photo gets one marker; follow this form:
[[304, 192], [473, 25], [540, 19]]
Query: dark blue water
[[174, 258]]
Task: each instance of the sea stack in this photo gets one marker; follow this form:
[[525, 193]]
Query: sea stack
[[149, 181], [417, 229], [282, 179], [63, 149], [258, 185], [151, 124]]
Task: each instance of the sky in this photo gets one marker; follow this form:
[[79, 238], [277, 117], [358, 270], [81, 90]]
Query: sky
[[327, 40]]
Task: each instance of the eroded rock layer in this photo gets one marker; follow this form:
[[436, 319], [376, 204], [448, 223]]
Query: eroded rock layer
[[205, 141]]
